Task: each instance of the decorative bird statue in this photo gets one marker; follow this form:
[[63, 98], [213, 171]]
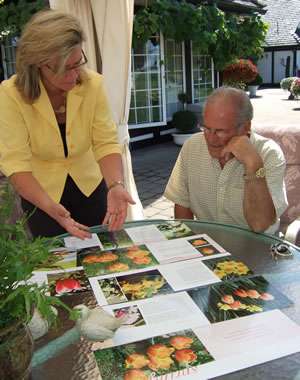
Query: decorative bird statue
[[93, 324], [38, 325], [96, 324]]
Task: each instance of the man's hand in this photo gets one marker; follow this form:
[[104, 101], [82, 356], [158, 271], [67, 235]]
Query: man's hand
[[117, 202], [243, 150], [63, 217]]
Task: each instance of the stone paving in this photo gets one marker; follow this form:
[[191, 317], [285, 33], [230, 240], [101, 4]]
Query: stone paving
[[152, 165]]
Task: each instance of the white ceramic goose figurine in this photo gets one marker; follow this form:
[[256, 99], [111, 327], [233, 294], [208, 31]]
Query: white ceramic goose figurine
[[96, 324], [39, 326]]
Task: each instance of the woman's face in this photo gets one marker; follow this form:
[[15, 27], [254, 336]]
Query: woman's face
[[66, 80]]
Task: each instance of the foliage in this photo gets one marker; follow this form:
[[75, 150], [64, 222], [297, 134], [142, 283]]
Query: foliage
[[184, 121], [19, 256], [257, 81], [295, 87], [242, 70], [15, 14], [236, 84], [225, 37], [286, 83]]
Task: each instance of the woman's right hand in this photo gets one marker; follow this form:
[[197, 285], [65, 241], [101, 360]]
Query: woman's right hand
[[63, 217]]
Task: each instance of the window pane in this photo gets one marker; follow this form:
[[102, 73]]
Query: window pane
[[141, 98], [154, 78], [142, 115], [156, 114], [140, 63], [155, 98], [140, 81], [202, 75], [131, 118], [146, 83], [174, 75]]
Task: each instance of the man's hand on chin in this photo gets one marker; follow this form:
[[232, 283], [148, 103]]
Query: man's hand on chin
[[242, 149]]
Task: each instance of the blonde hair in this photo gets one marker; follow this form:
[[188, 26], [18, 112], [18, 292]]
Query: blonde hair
[[48, 34]]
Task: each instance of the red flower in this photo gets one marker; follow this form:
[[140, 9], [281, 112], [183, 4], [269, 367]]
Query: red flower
[[266, 296], [241, 71], [240, 293], [252, 293], [67, 285], [227, 298]]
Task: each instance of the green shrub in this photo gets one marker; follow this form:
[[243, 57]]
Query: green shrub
[[185, 121], [286, 83], [236, 84]]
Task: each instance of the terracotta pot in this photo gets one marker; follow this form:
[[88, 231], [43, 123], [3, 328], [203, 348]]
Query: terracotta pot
[[16, 349]]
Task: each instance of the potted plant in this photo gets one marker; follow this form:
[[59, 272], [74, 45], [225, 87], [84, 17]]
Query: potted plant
[[286, 84], [185, 122], [19, 297], [253, 85], [239, 73], [295, 87]]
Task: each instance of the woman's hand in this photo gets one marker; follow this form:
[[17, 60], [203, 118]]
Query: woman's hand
[[63, 217], [117, 203]]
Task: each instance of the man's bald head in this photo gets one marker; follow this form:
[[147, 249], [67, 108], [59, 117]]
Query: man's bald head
[[229, 99]]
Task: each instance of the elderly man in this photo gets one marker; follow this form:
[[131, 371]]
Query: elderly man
[[229, 174]]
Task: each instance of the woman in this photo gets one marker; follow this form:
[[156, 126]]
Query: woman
[[58, 143]]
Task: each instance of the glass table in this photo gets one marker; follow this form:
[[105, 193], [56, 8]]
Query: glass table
[[76, 360]]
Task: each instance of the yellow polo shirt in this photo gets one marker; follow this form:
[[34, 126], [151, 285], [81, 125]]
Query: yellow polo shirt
[[30, 139]]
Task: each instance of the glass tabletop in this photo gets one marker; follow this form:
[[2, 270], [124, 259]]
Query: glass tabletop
[[76, 360]]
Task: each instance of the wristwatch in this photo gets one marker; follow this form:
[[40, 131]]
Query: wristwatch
[[260, 173]]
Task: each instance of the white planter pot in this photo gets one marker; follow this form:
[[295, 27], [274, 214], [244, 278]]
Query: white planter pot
[[252, 91], [180, 138]]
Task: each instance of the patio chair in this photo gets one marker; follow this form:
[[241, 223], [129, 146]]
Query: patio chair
[[288, 137]]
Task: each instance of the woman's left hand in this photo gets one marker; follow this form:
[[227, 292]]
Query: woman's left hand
[[117, 203]]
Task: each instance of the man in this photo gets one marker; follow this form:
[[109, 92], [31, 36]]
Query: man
[[229, 174]]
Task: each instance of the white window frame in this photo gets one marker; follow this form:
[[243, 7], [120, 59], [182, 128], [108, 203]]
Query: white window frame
[[163, 94], [184, 74], [192, 73]]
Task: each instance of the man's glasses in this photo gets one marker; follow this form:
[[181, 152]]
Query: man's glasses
[[221, 133], [67, 69]]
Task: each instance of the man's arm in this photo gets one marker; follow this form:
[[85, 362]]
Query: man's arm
[[259, 210], [181, 212], [258, 206]]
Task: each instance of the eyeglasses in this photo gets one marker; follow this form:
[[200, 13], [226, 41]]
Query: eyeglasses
[[67, 69], [221, 133]]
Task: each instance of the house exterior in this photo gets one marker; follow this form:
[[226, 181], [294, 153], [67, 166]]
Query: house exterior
[[282, 48], [162, 69]]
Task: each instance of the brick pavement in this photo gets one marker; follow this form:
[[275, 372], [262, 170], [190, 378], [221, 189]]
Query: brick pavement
[[152, 165]]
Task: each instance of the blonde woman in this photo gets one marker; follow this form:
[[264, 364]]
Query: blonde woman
[[58, 143]]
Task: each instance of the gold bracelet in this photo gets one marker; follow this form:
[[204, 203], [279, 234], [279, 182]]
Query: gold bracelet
[[114, 184]]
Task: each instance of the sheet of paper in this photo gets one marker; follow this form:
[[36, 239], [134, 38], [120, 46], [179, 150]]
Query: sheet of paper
[[160, 315], [145, 234], [248, 341], [229, 346], [186, 248], [73, 242], [188, 274], [141, 284]]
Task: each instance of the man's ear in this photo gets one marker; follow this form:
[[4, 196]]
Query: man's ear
[[245, 129]]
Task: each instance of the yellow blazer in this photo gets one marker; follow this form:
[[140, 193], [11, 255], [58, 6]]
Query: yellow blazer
[[30, 139]]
